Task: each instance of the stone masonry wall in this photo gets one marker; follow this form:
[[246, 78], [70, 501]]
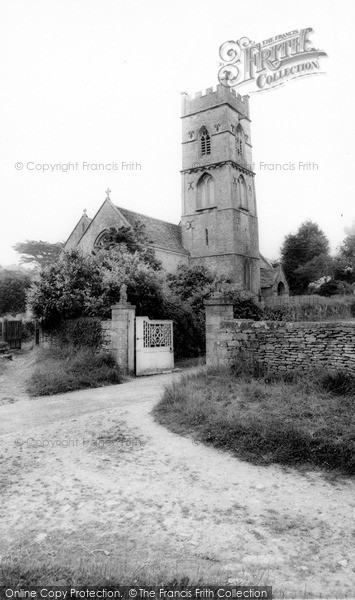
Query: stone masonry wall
[[278, 345]]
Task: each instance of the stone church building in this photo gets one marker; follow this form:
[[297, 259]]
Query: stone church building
[[219, 224]]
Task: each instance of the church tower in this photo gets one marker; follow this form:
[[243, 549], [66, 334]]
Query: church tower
[[219, 219]]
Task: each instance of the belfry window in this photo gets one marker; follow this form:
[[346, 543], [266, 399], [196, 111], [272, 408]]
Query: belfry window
[[206, 236], [205, 142], [205, 192]]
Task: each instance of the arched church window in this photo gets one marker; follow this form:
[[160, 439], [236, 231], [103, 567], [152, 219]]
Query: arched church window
[[205, 142], [206, 236], [101, 240], [239, 141], [205, 192], [243, 192]]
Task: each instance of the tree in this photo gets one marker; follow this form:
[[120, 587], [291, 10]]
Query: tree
[[83, 286], [305, 256], [195, 284], [38, 253], [13, 289], [133, 240], [344, 262], [347, 248]]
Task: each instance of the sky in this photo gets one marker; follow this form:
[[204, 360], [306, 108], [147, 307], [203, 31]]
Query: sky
[[100, 81]]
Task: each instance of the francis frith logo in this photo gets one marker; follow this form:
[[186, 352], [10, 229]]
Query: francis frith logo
[[257, 67]]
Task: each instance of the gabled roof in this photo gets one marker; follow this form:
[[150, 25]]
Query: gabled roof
[[265, 263], [267, 273], [160, 233], [83, 219], [266, 278]]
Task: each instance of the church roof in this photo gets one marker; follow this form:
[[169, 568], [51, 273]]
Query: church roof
[[267, 273], [266, 278], [161, 233]]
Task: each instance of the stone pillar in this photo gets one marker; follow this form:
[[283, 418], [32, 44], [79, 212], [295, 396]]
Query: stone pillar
[[122, 335], [218, 309]]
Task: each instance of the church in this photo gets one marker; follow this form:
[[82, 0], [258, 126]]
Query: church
[[219, 223]]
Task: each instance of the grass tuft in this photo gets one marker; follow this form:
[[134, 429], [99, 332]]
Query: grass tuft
[[70, 368], [290, 419]]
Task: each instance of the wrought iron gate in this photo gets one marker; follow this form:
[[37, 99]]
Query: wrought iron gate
[[154, 346]]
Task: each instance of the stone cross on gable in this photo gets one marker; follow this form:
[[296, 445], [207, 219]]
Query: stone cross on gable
[[108, 192]]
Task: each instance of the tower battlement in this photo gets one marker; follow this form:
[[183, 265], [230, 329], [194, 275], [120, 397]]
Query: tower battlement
[[213, 97]]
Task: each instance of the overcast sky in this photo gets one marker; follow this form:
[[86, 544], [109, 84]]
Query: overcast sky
[[99, 81]]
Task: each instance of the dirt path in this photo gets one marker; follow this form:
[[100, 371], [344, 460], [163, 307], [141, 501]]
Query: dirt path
[[14, 374], [89, 478]]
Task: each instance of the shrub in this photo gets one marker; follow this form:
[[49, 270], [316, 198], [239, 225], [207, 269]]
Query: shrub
[[189, 328], [28, 330], [275, 314], [341, 383], [68, 368], [83, 332], [329, 288], [4, 347], [13, 289], [247, 308]]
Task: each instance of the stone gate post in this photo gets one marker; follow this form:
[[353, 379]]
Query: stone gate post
[[122, 334], [218, 309]]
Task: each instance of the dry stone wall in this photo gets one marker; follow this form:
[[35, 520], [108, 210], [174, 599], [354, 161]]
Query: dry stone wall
[[278, 345]]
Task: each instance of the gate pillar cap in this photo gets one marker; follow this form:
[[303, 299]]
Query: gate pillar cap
[[123, 305]]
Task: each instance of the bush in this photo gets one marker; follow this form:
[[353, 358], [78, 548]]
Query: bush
[[4, 347], [189, 328], [84, 332], [246, 308], [341, 383], [329, 288], [275, 314], [28, 330], [13, 289], [68, 368]]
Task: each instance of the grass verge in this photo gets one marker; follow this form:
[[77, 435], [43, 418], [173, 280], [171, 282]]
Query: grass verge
[[289, 419], [98, 575], [68, 368]]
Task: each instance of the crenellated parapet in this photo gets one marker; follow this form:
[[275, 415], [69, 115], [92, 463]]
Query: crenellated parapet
[[213, 97]]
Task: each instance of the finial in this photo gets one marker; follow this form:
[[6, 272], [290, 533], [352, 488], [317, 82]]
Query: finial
[[84, 212], [108, 192]]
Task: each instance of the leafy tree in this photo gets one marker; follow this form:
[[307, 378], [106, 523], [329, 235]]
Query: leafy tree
[[347, 248], [79, 286], [133, 240], [318, 267], [144, 282], [344, 261], [38, 253], [13, 288], [82, 286], [67, 289], [195, 284], [305, 255]]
